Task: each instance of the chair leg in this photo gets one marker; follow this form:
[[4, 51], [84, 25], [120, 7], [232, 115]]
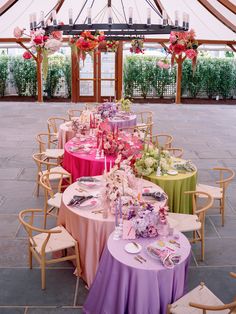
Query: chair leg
[[77, 260], [43, 274], [202, 245], [30, 257], [222, 209]]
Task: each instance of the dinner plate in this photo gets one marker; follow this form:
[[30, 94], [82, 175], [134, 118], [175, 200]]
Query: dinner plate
[[172, 172], [133, 248], [88, 184]]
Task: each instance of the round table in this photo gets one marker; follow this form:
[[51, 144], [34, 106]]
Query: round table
[[80, 164], [123, 121], [90, 229], [124, 285], [175, 186]]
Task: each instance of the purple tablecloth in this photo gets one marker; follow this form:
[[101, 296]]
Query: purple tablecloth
[[126, 122], [125, 286]]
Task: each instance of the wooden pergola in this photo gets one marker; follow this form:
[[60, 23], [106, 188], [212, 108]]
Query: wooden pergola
[[74, 62]]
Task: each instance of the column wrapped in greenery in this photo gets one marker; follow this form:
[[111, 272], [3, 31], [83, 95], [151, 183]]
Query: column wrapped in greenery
[[54, 75]]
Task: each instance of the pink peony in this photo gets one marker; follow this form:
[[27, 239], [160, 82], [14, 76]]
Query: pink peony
[[18, 32], [163, 65], [191, 53], [57, 35], [27, 55], [173, 38]]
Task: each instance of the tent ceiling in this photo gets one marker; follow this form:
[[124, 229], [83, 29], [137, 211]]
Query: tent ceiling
[[202, 21]]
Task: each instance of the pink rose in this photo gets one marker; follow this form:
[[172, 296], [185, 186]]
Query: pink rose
[[18, 32], [163, 65], [38, 40], [178, 49], [191, 53], [57, 35], [173, 38], [27, 55]]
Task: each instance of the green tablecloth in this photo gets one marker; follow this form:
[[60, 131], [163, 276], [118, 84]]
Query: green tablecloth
[[175, 186]]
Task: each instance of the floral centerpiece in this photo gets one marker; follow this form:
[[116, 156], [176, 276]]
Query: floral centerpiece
[[87, 43], [107, 110], [137, 46], [80, 127], [151, 159], [124, 104], [183, 43], [40, 42]]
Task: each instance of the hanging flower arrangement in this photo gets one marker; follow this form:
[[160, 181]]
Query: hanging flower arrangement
[[184, 43], [112, 45], [87, 43], [40, 42], [137, 46]]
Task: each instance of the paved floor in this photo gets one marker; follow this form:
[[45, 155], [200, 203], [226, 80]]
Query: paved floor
[[207, 134]]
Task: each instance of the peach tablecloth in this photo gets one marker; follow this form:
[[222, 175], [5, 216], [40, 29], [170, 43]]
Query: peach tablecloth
[[65, 133], [89, 229]]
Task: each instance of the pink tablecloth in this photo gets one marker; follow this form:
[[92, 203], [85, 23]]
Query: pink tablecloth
[[81, 164], [89, 229], [123, 285]]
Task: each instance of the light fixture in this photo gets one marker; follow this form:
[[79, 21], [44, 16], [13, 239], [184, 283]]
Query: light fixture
[[118, 26]]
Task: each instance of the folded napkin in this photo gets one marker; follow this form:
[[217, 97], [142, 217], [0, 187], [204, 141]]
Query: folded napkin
[[77, 200], [158, 196], [87, 179], [169, 260], [186, 166]]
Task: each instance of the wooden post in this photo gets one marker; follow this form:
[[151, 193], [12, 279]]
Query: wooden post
[[179, 79], [74, 76], [39, 76], [119, 70]]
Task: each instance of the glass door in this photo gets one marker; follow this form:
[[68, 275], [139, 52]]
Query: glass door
[[107, 75]]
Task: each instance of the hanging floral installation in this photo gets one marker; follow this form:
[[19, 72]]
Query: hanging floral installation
[[137, 46], [87, 43], [112, 45], [184, 44], [39, 42]]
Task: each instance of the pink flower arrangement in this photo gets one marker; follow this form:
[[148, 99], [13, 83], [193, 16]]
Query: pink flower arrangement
[[163, 64], [27, 55], [18, 32], [137, 46], [184, 43]]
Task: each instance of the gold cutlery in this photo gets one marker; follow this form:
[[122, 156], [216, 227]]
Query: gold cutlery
[[142, 258], [137, 259], [135, 244]]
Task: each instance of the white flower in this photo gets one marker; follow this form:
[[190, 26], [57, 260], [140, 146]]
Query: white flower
[[149, 162]]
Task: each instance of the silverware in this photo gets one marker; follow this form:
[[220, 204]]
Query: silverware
[[137, 259], [141, 258], [135, 244]]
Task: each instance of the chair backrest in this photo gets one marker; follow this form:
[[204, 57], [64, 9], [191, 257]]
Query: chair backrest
[[175, 152], [43, 162], [74, 113], [26, 218], [226, 176], [162, 140], [142, 131], [200, 210], [215, 308], [45, 140], [57, 186], [144, 117], [54, 122]]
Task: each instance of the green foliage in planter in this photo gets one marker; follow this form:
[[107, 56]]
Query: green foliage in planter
[[3, 73], [162, 78], [54, 75], [24, 76], [66, 69], [191, 81], [130, 73], [227, 78]]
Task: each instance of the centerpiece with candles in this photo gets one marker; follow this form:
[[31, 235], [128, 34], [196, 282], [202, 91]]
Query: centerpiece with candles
[[107, 110]]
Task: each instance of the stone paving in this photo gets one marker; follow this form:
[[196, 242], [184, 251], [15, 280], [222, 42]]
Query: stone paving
[[207, 134]]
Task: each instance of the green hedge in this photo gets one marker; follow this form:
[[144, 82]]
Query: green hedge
[[212, 77], [3, 73]]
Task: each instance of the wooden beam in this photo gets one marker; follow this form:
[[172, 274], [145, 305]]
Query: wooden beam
[[229, 5], [218, 15], [179, 61], [74, 76], [39, 76], [232, 47], [119, 70], [5, 7]]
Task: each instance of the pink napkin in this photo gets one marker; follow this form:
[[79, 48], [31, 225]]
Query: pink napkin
[[128, 230]]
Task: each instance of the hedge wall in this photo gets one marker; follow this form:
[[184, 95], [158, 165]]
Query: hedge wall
[[143, 78]]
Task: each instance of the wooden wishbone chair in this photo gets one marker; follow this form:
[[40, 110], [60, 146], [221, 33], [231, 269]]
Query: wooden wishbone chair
[[175, 152], [54, 123], [46, 143], [46, 242], [194, 222], [74, 113], [162, 140], [226, 176], [203, 300]]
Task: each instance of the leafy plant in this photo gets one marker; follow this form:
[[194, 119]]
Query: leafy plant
[[24, 76], [3, 73], [66, 69], [54, 75]]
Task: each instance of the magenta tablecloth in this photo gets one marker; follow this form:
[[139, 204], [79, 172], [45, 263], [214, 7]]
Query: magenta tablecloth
[[81, 164], [124, 286]]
